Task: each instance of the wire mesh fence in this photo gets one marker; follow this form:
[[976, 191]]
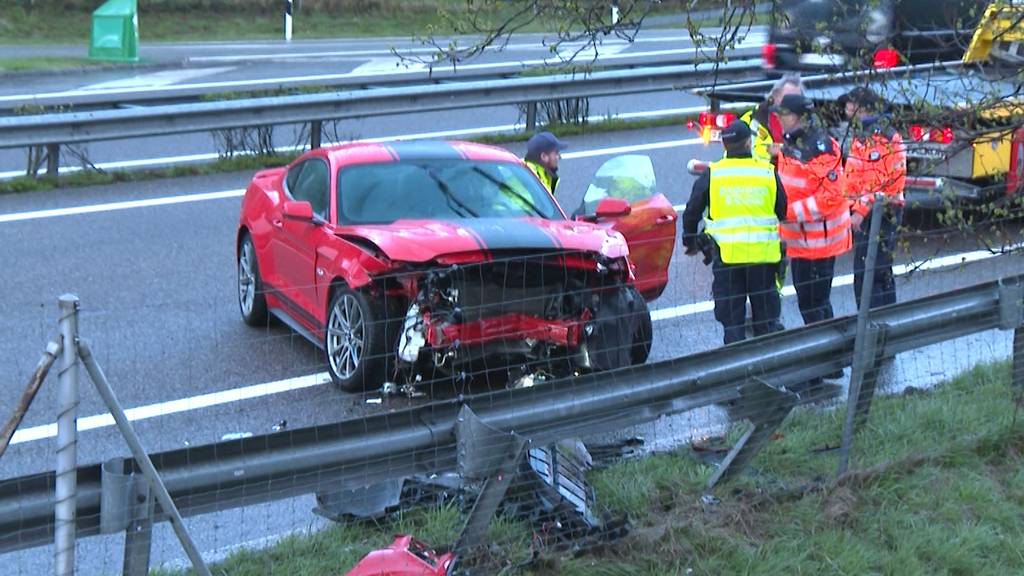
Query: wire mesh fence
[[511, 325]]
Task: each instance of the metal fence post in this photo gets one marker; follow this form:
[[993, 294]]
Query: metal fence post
[[863, 359], [53, 350], [67, 439], [142, 459]]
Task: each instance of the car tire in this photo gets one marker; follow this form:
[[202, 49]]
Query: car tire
[[355, 341], [644, 334], [252, 302]]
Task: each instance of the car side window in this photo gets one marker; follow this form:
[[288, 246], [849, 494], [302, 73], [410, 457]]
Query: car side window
[[310, 181]]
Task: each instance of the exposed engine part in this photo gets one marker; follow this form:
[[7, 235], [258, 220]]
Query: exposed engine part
[[529, 380], [413, 337]]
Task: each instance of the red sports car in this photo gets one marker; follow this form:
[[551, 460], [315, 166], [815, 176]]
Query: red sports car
[[406, 261]]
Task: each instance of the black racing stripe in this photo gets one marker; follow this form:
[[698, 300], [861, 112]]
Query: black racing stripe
[[425, 150], [509, 234]]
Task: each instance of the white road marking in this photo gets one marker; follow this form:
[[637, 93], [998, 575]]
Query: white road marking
[[752, 38], [386, 65], [504, 128], [154, 79], [259, 390], [110, 206], [844, 280], [177, 406]]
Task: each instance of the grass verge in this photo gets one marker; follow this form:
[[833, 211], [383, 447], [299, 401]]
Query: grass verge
[[45, 63], [938, 488], [242, 163]]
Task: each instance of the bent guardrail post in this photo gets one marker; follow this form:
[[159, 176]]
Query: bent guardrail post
[[141, 457], [863, 358], [765, 406], [874, 356], [67, 440], [53, 350], [491, 455]]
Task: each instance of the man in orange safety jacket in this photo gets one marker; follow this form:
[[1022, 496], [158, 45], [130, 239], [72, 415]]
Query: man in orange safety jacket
[[876, 164], [817, 224]]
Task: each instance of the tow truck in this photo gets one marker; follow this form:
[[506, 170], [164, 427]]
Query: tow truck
[[961, 120]]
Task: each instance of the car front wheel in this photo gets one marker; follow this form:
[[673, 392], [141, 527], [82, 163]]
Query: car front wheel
[[354, 341], [251, 301], [644, 334]]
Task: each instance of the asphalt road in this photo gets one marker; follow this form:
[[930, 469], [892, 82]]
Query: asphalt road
[[226, 66], [157, 286]]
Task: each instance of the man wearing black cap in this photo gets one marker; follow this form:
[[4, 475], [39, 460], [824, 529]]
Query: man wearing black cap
[[744, 201], [543, 151], [875, 166], [817, 224]]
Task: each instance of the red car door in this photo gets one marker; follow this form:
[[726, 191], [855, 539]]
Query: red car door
[[649, 228], [296, 240]]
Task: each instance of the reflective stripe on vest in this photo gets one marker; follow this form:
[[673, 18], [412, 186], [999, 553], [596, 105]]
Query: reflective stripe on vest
[[820, 216], [876, 164], [741, 211]]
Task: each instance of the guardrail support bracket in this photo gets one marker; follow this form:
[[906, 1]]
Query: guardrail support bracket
[[773, 405], [484, 452]]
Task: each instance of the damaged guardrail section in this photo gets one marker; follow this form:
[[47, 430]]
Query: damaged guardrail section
[[750, 377]]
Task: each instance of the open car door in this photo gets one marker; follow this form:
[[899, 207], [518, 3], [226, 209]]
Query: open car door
[[650, 225]]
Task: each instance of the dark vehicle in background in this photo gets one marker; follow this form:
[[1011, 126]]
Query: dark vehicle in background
[[824, 35]]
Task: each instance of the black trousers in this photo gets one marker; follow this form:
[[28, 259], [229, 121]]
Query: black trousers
[[883, 292], [813, 282], [733, 285]]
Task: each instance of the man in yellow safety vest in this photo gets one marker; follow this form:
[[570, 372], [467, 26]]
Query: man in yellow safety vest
[[742, 201], [543, 152]]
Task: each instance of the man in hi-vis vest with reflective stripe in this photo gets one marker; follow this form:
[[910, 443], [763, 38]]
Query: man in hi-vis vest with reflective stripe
[[741, 201], [817, 224]]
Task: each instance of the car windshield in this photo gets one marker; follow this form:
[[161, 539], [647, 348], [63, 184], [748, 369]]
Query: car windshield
[[440, 190]]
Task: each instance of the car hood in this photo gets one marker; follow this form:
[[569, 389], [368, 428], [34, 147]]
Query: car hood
[[426, 240]]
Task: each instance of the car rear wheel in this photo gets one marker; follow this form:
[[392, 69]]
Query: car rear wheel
[[354, 341], [251, 301]]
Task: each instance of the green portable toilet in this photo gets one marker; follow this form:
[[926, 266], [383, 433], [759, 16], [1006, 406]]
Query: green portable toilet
[[115, 31]]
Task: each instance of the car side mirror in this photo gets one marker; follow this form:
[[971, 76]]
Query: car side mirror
[[298, 210], [613, 208]]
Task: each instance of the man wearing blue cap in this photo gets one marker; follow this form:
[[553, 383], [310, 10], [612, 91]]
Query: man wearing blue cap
[[543, 151], [741, 202]]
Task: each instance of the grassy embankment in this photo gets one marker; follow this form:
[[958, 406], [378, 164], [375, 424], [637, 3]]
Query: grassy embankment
[[938, 488]]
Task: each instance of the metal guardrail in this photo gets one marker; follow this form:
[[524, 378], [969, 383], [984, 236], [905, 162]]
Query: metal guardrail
[[78, 127], [190, 93], [363, 452]]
